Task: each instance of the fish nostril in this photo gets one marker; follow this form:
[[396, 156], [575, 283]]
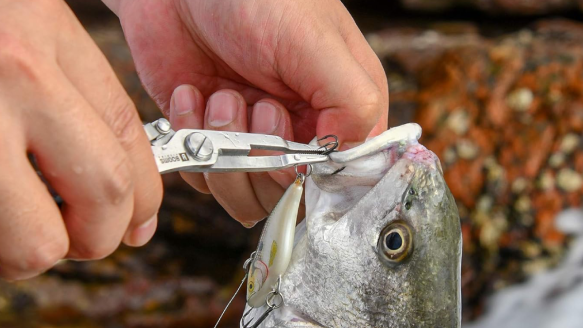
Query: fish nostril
[[394, 241]]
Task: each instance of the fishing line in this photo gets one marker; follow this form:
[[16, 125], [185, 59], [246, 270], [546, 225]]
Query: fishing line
[[231, 300], [246, 268]]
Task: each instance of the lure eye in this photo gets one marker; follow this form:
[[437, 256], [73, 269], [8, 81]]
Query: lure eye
[[395, 243]]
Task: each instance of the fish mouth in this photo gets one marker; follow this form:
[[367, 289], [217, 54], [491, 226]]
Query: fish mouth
[[370, 161], [340, 186], [368, 170], [406, 133]]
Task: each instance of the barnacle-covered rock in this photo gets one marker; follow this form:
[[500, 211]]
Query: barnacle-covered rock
[[505, 115]]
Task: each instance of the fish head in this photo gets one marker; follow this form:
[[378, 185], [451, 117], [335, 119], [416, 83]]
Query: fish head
[[380, 246]]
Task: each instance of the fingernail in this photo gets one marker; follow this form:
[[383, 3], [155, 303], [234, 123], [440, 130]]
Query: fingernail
[[222, 109], [249, 224], [183, 100], [142, 234], [265, 118]]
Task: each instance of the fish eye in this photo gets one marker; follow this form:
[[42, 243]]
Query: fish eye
[[395, 243]]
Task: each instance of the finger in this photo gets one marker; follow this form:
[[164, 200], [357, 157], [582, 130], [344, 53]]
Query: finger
[[227, 111], [34, 237], [270, 117], [187, 112], [113, 5], [89, 169], [367, 58], [96, 82]]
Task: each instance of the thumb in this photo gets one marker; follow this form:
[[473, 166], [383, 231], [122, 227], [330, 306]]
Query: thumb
[[351, 103]]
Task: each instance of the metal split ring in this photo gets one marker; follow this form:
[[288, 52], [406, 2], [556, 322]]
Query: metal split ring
[[273, 294], [271, 297], [309, 170]]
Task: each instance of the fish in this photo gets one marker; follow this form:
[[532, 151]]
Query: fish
[[380, 246]]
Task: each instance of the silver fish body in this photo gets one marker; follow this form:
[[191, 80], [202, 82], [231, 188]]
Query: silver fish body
[[380, 246]]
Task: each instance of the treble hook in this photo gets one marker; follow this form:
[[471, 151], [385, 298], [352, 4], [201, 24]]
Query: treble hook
[[332, 144]]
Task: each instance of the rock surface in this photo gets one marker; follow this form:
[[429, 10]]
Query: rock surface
[[548, 299], [505, 115]]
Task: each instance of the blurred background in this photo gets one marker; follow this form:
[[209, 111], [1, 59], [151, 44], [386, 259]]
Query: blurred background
[[497, 86]]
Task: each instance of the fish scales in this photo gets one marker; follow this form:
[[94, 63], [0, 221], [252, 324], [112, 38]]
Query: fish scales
[[348, 269]]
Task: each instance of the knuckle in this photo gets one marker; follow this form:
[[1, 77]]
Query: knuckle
[[17, 60], [371, 98], [122, 119], [370, 105], [119, 183]]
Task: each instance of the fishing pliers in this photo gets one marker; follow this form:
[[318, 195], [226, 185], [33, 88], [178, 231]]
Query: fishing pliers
[[194, 150]]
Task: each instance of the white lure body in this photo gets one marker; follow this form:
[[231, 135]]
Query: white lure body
[[275, 246]]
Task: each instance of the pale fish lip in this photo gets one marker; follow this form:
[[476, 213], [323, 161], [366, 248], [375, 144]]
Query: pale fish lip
[[407, 132]]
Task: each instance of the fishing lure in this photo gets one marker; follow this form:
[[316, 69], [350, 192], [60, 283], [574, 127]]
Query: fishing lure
[[269, 262], [275, 245]]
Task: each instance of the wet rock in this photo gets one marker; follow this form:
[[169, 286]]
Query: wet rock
[[511, 109]]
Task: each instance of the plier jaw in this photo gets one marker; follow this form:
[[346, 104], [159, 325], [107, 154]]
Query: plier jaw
[[194, 150]]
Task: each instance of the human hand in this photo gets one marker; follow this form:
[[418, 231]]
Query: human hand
[[296, 69], [61, 101]]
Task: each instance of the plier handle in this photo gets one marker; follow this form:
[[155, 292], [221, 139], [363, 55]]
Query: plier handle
[[193, 150]]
